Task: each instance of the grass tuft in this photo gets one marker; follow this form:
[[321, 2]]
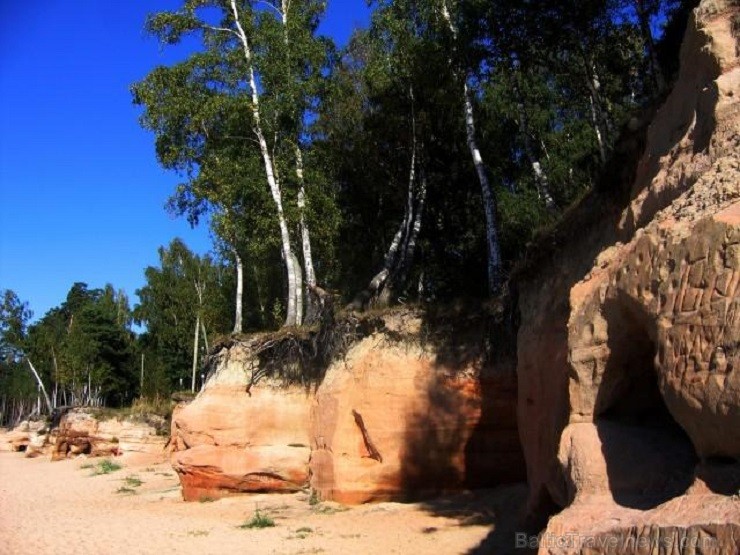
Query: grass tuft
[[314, 499], [259, 520], [106, 466], [196, 533], [329, 509], [133, 481]]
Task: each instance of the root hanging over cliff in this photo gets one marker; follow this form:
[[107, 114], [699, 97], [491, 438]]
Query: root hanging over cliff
[[298, 355]]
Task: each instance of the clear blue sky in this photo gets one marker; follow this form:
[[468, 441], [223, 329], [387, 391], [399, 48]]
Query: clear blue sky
[[81, 194]]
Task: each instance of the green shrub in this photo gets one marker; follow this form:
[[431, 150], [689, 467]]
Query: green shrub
[[259, 520], [133, 481], [106, 466]]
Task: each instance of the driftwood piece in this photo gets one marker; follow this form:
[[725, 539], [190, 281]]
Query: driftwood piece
[[369, 445]]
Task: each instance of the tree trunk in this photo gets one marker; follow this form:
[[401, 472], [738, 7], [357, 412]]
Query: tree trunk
[[408, 252], [647, 37], [41, 385], [258, 291], [494, 265], [195, 352], [270, 174], [310, 274], [56, 378], [599, 114], [297, 291], [205, 336], [597, 129], [311, 302], [398, 258], [540, 177], [238, 303]]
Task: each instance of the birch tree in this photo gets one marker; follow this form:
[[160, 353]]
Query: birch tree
[[247, 92], [494, 266]]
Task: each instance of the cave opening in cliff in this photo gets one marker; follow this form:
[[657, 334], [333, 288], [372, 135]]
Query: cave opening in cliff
[[649, 457]]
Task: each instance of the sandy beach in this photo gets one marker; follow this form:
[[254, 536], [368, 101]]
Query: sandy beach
[[62, 508]]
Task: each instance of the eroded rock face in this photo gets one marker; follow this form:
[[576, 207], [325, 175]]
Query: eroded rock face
[[387, 422], [641, 379], [390, 422], [30, 437], [82, 433], [230, 441]]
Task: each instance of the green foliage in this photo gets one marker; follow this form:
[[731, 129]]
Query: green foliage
[[133, 481], [106, 466], [258, 520], [14, 317], [200, 112], [126, 491], [183, 287], [314, 498], [82, 350]]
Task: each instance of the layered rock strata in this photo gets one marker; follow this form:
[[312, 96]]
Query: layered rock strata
[[632, 378]]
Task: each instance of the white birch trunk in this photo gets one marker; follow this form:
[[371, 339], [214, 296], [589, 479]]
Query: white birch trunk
[[597, 130], [238, 303], [195, 352], [400, 251], [56, 378], [599, 116], [398, 244], [205, 336], [41, 385], [416, 227], [272, 181], [489, 202], [310, 274], [540, 177], [258, 290], [298, 290], [308, 266]]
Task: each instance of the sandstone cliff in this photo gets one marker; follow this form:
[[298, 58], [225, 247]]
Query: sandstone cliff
[[393, 419], [626, 378], [230, 440], [630, 377]]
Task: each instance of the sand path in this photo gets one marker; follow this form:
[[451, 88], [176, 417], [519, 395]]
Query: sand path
[[61, 508]]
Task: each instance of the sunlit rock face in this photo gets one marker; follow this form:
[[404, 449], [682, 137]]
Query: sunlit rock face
[[230, 441], [81, 432], [630, 385], [389, 420], [393, 422]]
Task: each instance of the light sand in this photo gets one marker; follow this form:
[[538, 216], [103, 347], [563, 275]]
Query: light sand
[[60, 508]]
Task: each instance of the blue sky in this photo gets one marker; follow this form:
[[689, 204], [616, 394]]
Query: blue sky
[[81, 195]]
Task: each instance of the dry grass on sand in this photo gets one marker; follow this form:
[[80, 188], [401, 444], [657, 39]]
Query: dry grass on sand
[[68, 507]]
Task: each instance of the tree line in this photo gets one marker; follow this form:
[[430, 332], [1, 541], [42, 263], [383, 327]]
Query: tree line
[[413, 165]]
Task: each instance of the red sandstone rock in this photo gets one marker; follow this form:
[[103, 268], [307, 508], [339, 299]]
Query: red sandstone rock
[[30, 437], [229, 441], [631, 372], [209, 471], [386, 423], [80, 432], [426, 429], [662, 292]]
